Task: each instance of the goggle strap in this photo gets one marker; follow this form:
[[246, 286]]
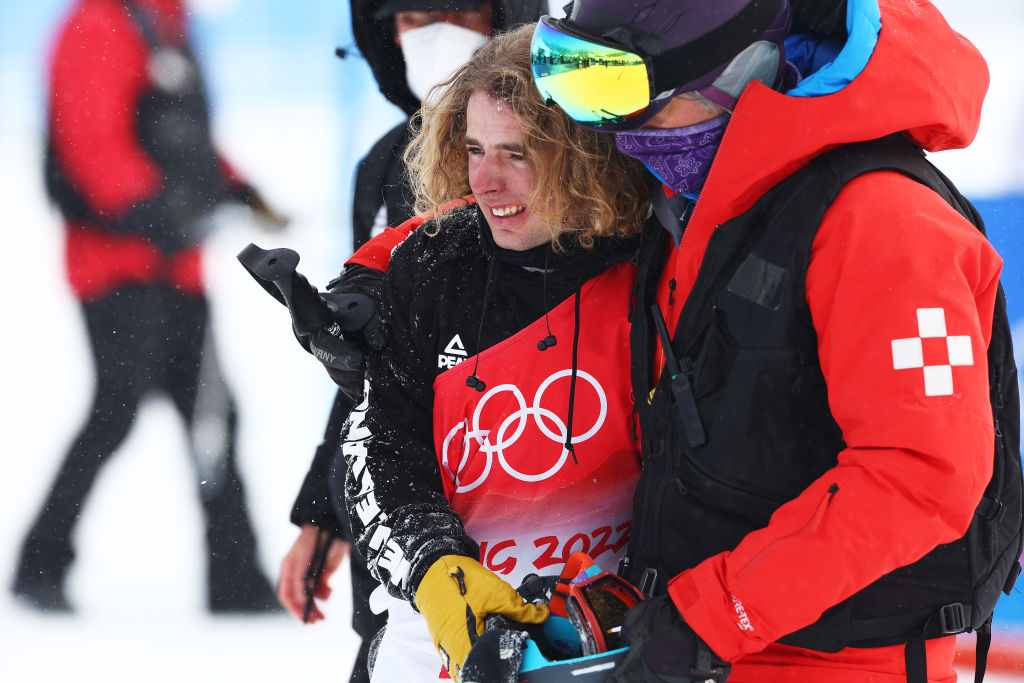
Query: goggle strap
[[587, 625], [558, 599], [706, 53]]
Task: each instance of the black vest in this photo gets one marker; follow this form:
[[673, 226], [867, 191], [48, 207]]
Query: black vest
[[745, 425], [172, 124]]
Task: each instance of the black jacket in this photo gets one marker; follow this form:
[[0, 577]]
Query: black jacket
[[380, 189], [457, 282]]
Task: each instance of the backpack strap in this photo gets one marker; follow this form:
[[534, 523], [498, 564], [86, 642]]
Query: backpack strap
[[144, 23], [916, 659], [981, 647]]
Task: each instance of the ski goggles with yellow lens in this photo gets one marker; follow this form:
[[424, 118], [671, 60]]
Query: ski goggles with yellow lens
[[610, 86], [596, 83]]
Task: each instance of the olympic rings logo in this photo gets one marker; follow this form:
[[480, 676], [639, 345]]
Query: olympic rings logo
[[518, 419]]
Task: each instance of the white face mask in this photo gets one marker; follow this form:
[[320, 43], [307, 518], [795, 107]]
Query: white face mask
[[433, 52]]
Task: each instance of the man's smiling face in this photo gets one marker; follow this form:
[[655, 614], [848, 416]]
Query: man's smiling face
[[499, 176]]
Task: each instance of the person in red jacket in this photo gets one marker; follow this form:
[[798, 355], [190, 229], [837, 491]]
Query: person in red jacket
[[814, 393], [133, 170]]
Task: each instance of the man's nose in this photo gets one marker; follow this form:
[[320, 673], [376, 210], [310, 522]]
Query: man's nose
[[488, 176]]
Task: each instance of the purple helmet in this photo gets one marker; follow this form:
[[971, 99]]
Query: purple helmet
[[716, 47]]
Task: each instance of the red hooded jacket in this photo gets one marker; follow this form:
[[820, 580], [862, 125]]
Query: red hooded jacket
[[916, 462]]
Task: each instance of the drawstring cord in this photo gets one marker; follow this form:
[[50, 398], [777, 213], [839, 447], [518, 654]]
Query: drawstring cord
[[474, 382], [572, 381], [548, 341]]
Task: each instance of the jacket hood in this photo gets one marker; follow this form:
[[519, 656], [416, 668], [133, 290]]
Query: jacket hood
[[900, 69], [376, 41]]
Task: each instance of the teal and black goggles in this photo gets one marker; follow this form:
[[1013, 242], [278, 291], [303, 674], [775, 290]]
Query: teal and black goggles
[[596, 83]]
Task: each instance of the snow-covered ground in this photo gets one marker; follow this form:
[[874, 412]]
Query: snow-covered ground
[[138, 580]]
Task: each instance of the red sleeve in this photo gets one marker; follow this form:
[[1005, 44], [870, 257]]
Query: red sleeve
[[98, 74], [235, 179], [376, 253], [897, 281]]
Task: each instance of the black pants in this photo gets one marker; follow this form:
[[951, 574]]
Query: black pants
[[143, 339]]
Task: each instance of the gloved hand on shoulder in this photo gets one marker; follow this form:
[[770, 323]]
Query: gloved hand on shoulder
[[664, 649], [340, 346], [456, 595], [340, 351], [342, 359]]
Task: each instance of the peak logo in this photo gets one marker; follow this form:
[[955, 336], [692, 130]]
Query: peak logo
[[453, 354]]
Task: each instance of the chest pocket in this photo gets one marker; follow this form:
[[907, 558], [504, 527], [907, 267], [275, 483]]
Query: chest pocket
[[755, 372]]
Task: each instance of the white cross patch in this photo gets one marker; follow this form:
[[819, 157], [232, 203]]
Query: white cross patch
[[909, 353]]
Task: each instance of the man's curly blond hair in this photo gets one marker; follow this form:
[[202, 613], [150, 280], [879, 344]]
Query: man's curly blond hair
[[582, 183]]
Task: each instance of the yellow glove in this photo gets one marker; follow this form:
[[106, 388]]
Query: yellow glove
[[455, 595]]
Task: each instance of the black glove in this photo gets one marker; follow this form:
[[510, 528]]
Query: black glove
[[342, 359], [341, 351], [334, 326], [663, 649], [497, 655]]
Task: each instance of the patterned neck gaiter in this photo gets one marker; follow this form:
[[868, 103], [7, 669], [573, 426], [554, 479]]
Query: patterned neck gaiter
[[678, 157]]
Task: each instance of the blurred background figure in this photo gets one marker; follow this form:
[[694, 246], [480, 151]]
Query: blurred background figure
[[410, 45], [133, 171]]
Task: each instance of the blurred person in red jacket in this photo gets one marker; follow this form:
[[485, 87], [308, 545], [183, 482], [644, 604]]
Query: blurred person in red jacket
[[132, 168]]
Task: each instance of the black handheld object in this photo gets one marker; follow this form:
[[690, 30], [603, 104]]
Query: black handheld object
[[682, 389], [275, 271]]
